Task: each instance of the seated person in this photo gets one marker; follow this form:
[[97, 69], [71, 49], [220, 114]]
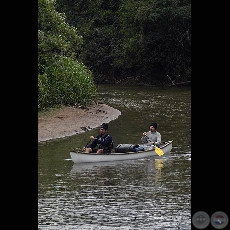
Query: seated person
[[152, 137], [102, 143]]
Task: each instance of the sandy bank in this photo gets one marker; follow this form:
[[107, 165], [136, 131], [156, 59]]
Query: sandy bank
[[67, 121]]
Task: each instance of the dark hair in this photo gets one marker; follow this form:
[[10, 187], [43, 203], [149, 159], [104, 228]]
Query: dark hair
[[105, 126], [154, 124]]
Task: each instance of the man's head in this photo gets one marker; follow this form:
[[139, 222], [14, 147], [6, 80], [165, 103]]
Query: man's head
[[104, 128], [153, 126]]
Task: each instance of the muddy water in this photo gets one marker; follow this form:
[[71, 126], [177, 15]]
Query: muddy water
[[149, 193]]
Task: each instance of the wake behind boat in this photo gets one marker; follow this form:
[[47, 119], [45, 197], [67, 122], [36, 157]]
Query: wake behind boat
[[79, 157]]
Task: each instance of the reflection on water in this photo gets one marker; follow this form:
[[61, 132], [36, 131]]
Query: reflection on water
[[133, 194], [159, 163], [149, 193]]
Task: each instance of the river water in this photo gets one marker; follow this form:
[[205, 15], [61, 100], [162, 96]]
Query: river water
[[149, 193]]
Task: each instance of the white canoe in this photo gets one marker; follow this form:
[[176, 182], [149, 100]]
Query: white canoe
[[79, 157]]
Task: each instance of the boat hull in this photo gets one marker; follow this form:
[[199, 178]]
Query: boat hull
[[79, 157]]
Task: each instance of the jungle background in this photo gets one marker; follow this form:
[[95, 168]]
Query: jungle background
[[85, 43]]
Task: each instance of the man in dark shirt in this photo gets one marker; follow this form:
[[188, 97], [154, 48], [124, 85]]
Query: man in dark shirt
[[102, 143]]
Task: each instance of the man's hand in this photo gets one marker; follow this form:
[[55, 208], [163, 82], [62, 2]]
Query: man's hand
[[91, 137], [144, 133]]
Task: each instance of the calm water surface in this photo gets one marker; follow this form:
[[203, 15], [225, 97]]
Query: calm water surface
[[148, 193]]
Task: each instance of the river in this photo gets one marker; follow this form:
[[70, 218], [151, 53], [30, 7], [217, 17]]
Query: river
[[149, 193]]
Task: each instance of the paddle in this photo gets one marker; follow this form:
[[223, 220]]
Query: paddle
[[83, 149], [158, 151], [87, 143]]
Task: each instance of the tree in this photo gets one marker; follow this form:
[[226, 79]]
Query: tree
[[62, 79]]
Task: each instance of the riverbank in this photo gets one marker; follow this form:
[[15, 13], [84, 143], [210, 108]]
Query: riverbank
[[67, 121]]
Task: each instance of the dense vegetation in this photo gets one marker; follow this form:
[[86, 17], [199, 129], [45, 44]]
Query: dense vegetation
[[62, 78], [82, 43], [146, 41]]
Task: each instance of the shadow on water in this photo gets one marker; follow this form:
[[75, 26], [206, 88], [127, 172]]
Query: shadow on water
[[148, 193]]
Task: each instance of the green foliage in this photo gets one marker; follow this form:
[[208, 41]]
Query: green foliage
[[157, 34], [43, 92], [145, 40], [69, 82], [96, 20], [55, 36], [62, 79]]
